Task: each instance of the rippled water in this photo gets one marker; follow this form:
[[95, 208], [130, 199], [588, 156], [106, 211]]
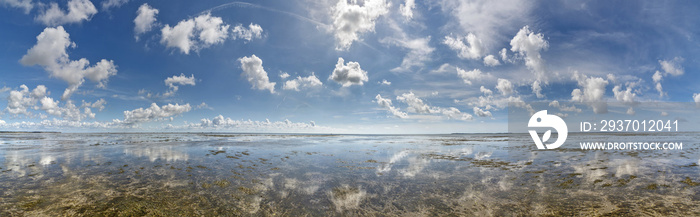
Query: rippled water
[[320, 175]]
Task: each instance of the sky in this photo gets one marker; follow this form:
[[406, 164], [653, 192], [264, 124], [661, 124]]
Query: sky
[[336, 66]]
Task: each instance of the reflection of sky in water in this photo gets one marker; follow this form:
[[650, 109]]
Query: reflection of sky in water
[[242, 174]]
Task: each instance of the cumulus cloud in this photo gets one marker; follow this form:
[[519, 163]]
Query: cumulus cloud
[[670, 67], [592, 93], [350, 20], [302, 82], [626, 96], [505, 87], [481, 113], [469, 76], [221, 122], [385, 82], [50, 53], [350, 74], [99, 104], [406, 8], [145, 20], [78, 10], [69, 111], [386, 104], [195, 34], [175, 82], [62, 125], [473, 49], [485, 91], [571, 108], [27, 5], [537, 89], [20, 100], [657, 78], [528, 44], [284, 75], [155, 113], [491, 60], [416, 105], [107, 4], [673, 66], [255, 74], [252, 32], [696, 98]]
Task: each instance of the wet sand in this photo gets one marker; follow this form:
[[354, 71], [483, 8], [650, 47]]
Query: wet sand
[[171, 174]]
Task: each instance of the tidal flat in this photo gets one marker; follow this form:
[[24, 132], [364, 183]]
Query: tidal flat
[[219, 174]]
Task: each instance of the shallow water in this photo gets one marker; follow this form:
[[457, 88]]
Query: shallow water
[[296, 175]]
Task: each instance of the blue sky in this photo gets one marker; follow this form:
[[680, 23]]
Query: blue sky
[[374, 66]]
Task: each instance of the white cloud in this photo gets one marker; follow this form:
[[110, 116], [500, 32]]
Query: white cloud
[[624, 96], [145, 20], [220, 122], [505, 87], [352, 20], [571, 108], [473, 49], [302, 82], [107, 4], [469, 76], [664, 114], [78, 10], [528, 44], [489, 19], [20, 100], [631, 111], [155, 113], [491, 60], [99, 104], [485, 91], [50, 53], [386, 104], [69, 111], [696, 98], [481, 113], [658, 77], [252, 32], [537, 89], [284, 75], [350, 74], [385, 82], [194, 34], [416, 105], [256, 75], [211, 29], [27, 5], [592, 93], [454, 113], [175, 82], [406, 9], [504, 55], [673, 66], [63, 125], [419, 51]]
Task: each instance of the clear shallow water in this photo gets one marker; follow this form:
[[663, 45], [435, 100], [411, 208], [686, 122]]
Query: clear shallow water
[[297, 175]]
